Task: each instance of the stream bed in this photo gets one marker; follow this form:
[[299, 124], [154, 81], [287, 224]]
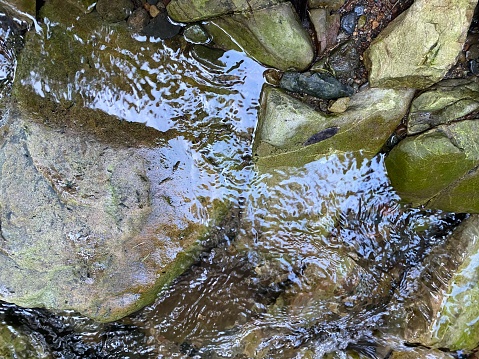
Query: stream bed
[[334, 224]]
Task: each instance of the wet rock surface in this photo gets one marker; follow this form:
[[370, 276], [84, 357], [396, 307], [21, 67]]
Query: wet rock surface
[[315, 84], [272, 36], [290, 133], [441, 307]]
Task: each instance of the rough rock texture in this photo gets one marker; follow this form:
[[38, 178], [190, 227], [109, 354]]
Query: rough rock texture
[[438, 168], [290, 133], [420, 353], [195, 10], [84, 5], [114, 11], [443, 103], [26, 6], [15, 344], [273, 36], [83, 226], [442, 309], [418, 47], [326, 26], [315, 84]]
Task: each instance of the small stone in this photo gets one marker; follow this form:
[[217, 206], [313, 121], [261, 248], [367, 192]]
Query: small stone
[[138, 20], [344, 60], [196, 34], [273, 77], [114, 11], [340, 105], [348, 22], [161, 27], [154, 11]]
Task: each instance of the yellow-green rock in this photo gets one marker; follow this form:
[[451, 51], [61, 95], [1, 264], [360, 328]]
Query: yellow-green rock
[[418, 47], [290, 133]]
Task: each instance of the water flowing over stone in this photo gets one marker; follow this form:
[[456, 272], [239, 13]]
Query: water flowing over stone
[[418, 47], [442, 310], [87, 226], [290, 133]]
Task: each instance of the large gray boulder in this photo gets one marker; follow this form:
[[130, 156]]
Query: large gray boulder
[[418, 47], [89, 225], [290, 133]]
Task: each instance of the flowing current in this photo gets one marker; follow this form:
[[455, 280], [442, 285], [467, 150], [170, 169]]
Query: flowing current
[[313, 259]]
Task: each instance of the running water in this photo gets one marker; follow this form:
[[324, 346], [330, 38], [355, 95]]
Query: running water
[[312, 258]]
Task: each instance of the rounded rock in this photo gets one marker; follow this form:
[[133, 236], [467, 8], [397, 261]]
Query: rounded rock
[[196, 34], [114, 11], [138, 20]]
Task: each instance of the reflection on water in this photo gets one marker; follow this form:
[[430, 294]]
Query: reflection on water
[[313, 255]]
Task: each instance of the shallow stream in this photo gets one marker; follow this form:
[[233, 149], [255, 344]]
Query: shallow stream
[[335, 223]]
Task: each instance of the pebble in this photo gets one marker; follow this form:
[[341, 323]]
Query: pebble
[[195, 34], [154, 11], [348, 22], [138, 20]]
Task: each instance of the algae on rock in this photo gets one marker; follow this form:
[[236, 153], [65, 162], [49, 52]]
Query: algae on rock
[[290, 133], [438, 168], [273, 36], [442, 310]]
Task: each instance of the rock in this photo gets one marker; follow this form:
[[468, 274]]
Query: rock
[[138, 20], [161, 27], [196, 10], [16, 344], [441, 306], [348, 22], [344, 60], [272, 36], [196, 34], [443, 103], [316, 84], [290, 133], [330, 4], [154, 11], [420, 353], [83, 226], [96, 216], [85, 5], [21, 6], [438, 168], [326, 26], [340, 105], [418, 47], [114, 11]]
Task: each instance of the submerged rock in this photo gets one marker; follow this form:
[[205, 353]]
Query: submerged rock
[[290, 133], [161, 27], [315, 84], [441, 307], [114, 11], [443, 103], [438, 168], [16, 344], [418, 47], [420, 353], [273, 36], [96, 214]]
